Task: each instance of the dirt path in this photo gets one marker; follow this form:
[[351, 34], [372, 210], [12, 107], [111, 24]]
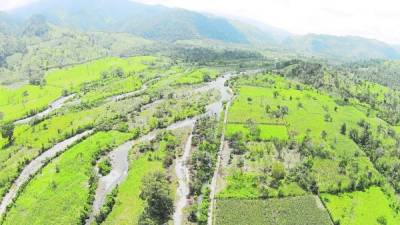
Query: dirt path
[[35, 165], [53, 106]]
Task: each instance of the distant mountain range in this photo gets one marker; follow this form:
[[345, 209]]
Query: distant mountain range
[[170, 24]]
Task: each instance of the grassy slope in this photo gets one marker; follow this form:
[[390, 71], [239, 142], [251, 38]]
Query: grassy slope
[[196, 76], [16, 103], [361, 208], [70, 78]]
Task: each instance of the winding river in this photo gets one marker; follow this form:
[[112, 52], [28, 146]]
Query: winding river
[[120, 166], [120, 163], [53, 106]]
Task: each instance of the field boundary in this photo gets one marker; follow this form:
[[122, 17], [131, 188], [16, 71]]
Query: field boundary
[[327, 210], [260, 123]]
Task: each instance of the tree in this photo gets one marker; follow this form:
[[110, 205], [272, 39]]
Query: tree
[[343, 129], [236, 141], [300, 105], [328, 118], [278, 171], [206, 77], [159, 204], [382, 220], [7, 131], [276, 94], [324, 134], [118, 72], [254, 131], [279, 146], [353, 134], [267, 109]]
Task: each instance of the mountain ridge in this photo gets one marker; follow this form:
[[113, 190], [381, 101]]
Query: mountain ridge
[[161, 23]]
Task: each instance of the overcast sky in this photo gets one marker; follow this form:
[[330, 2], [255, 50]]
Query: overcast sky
[[379, 19]]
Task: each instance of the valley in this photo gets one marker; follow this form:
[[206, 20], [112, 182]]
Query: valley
[[121, 113]]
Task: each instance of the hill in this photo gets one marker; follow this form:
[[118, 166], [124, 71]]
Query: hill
[[153, 22], [29, 48], [346, 48], [172, 24]]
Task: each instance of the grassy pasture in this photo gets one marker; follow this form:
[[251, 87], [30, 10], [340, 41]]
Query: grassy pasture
[[319, 116], [330, 179], [301, 210], [25, 100], [58, 195], [72, 77], [266, 131], [361, 208], [110, 88], [245, 186], [397, 129], [196, 76]]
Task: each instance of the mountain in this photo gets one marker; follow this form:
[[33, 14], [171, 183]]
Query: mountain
[[347, 47], [172, 24], [29, 48], [152, 22]]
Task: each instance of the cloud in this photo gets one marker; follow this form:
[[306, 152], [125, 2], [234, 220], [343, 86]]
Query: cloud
[[12, 4], [367, 18]]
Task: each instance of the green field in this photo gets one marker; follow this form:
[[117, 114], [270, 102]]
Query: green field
[[129, 206], [25, 100], [285, 211], [266, 131], [61, 191], [362, 208], [71, 78], [285, 110], [196, 76]]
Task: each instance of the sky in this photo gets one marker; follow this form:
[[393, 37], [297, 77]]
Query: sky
[[367, 18]]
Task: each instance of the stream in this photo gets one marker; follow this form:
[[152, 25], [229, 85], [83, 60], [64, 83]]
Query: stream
[[120, 163], [120, 166], [53, 106], [183, 175], [35, 166]]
